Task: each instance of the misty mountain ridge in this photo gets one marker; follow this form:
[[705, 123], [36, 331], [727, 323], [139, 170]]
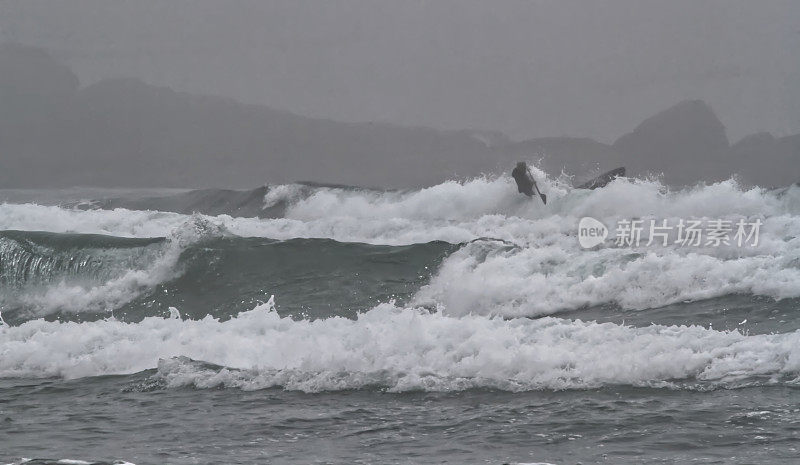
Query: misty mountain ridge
[[124, 132]]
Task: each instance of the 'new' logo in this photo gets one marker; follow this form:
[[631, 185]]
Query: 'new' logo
[[591, 232]]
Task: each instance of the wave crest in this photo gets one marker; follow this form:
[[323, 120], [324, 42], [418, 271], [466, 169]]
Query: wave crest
[[400, 350]]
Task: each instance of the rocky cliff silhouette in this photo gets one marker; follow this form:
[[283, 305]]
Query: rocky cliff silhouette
[[124, 132]]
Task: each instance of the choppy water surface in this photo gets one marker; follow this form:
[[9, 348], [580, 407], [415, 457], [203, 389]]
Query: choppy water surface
[[456, 324]]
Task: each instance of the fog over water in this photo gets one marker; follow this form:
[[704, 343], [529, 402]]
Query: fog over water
[[526, 68]]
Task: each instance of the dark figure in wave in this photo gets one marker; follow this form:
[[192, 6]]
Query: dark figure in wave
[[525, 182]]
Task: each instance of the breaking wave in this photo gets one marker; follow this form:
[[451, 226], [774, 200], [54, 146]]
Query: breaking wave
[[453, 211], [44, 273], [516, 257], [399, 349], [201, 268], [430, 289]]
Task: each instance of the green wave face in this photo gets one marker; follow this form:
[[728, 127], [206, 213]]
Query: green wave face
[[311, 278], [76, 277], [35, 259]]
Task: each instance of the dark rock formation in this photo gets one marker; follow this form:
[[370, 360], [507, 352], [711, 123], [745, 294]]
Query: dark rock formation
[[123, 132], [686, 142], [126, 133], [765, 160]]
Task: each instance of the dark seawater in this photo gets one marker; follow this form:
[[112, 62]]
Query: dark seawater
[[106, 418], [456, 324]]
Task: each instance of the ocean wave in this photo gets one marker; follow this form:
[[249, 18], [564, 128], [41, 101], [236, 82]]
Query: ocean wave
[[212, 272], [45, 273], [202, 267], [400, 349], [522, 258], [495, 279], [453, 211]]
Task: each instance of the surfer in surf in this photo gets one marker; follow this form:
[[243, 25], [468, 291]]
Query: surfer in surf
[[525, 182]]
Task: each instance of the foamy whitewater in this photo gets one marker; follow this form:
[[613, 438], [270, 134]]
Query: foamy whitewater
[[463, 319]]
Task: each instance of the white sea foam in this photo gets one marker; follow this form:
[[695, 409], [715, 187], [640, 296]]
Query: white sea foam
[[451, 211], [118, 222], [399, 349], [546, 272], [487, 278], [286, 193]]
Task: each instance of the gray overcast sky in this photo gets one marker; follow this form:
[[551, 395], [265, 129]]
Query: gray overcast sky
[[527, 68]]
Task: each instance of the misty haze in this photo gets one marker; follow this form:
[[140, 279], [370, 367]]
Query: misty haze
[[353, 231]]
